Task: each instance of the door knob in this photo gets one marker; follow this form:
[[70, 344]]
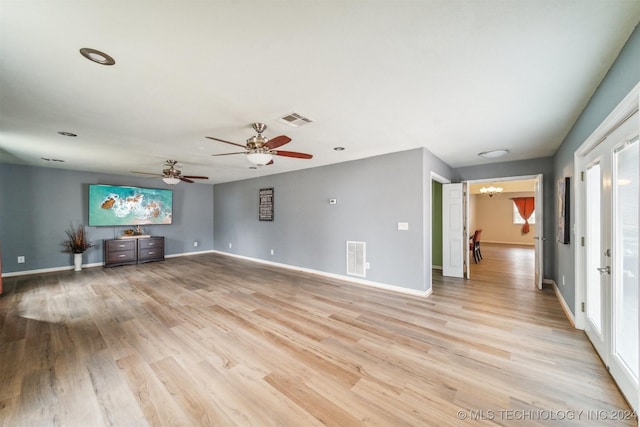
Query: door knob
[[603, 270]]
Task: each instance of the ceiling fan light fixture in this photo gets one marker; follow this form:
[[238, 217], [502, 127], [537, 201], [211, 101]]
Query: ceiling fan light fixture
[[494, 153], [259, 158], [171, 180]]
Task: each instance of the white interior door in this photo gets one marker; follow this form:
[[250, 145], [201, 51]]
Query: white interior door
[[596, 242], [611, 194], [539, 238], [452, 230]]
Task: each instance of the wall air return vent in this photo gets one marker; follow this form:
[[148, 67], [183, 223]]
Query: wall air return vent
[[295, 120], [356, 258]]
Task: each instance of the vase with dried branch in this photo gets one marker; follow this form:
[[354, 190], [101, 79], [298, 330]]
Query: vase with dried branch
[[76, 243]]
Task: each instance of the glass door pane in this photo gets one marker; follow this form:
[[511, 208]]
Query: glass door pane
[[593, 244], [625, 281]]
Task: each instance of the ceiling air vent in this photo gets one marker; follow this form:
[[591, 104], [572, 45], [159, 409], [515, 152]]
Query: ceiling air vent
[[295, 120]]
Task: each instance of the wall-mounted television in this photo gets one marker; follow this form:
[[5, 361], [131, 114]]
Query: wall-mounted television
[[111, 205]]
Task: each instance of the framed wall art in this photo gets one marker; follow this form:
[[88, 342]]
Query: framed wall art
[[265, 209], [564, 204]]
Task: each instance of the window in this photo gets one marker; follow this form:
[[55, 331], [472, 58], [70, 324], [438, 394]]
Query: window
[[517, 219]]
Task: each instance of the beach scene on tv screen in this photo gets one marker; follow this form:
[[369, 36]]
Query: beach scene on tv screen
[[114, 205]]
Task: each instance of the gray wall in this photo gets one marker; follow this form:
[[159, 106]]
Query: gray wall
[[37, 205], [373, 195], [542, 166], [621, 78]]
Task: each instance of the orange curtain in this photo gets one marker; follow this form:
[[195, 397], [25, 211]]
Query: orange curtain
[[526, 206]]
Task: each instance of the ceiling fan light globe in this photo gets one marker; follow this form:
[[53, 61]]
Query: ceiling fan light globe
[[171, 180], [259, 159]]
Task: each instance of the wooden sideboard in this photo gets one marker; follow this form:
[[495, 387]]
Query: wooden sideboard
[[151, 249], [133, 251]]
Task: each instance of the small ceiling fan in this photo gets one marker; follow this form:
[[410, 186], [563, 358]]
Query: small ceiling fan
[[260, 150], [172, 175]]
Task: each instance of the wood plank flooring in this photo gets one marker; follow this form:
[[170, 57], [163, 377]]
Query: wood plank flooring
[[213, 340]]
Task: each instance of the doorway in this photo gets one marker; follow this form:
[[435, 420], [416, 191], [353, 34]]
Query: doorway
[[466, 210], [608, 257]]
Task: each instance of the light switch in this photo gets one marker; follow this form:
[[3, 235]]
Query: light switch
[[403, 226]]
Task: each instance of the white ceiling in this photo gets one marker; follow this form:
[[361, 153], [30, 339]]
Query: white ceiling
[[455, 77]]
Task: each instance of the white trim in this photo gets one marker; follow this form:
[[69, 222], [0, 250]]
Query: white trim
[[50, 270], [495, 242], [439, 178], [208, 251], [623, 109], [384, 286], [93, 264], [562, 301], [442, 180]]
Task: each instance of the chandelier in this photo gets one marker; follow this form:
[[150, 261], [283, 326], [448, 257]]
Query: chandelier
[[490, 190]]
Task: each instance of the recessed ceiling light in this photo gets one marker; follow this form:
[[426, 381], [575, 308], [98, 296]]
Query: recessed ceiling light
[[494, 154], [338, 148], [97, 56], [67, 133]]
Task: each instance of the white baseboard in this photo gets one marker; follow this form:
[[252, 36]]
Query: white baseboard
[[208, 251], [50, 270], [561, 300], [379, 285], [262, 261], [93, 264], [507, 243]]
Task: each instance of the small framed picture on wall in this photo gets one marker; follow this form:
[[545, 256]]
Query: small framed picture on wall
[[265, 209], [564, 217]]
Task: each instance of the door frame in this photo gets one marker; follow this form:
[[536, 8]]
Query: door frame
[[539, 252], [442, 180], [628, 106]]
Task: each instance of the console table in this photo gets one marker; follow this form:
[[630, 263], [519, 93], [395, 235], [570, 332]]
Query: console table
[[133, 250]]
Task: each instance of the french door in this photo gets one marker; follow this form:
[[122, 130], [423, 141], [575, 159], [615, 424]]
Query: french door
[[611, 209]]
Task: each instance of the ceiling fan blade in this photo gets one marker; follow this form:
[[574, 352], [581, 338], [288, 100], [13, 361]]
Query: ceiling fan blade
[[182, 178], [292, 154], [195, 177], [229, 154], [148, 173], [226, 142], [278, 141]]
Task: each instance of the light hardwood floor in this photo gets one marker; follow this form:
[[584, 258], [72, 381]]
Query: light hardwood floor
[[214, 340]]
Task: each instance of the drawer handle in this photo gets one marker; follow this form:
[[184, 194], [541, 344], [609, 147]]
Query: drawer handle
[[122, 246], [151, 252], [122, 255], [151, 243]]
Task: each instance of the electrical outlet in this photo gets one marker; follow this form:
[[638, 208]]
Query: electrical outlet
[[367, 266], [20, 260], [230, 245], [195, 244], [272, 251], [563, 280]]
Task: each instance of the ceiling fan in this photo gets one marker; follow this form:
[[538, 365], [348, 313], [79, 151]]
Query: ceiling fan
[[172, 175], [260, 150]]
